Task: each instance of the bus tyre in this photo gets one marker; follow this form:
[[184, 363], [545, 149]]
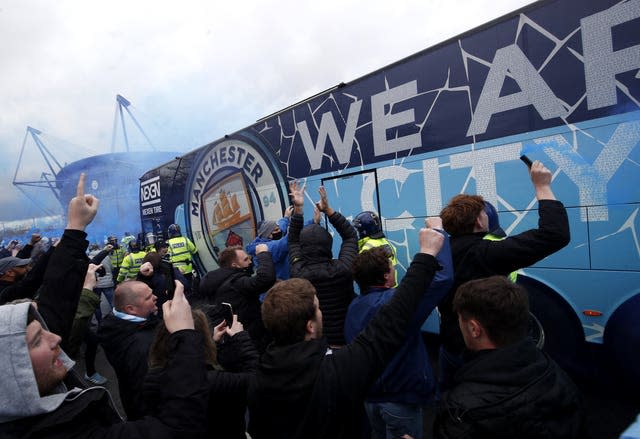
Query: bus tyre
[[558, 329], [622, 343]]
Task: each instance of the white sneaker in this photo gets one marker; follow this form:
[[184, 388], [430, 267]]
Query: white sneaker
[[96, 379]]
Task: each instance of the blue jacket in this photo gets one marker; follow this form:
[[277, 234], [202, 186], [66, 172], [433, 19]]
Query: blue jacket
[[408, 378], [279, 249]]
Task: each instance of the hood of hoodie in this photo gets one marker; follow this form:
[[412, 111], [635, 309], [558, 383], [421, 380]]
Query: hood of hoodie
[[19, 395], [316, 243]]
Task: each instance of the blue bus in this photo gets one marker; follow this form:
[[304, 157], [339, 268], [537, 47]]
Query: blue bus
[[556, 80]]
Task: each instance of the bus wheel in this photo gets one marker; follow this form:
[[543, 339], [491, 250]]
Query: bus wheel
[[536, 331], [622, 343], [553, 325]]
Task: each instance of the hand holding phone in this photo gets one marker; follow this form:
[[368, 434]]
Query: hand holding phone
[[227, 313], [527, 161]]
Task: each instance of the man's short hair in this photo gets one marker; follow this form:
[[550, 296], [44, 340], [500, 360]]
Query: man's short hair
[[126, 294], [501, 307], [287, 308], [370, 266], [228, 256], [459, 216]]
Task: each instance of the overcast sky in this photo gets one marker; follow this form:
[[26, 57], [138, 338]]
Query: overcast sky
[[193, 70]]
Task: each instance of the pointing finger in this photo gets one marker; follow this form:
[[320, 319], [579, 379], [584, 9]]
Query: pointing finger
[[80, 189]]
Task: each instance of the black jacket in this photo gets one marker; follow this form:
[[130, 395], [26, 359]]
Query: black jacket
[[91, 413], [306, 390], [310, 258], [28, 286], [227, 388], [476, 258], [242, 291], [126, 345], [516, 391]]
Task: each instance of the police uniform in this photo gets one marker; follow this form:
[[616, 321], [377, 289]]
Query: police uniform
[[131, 265], [181, 249]]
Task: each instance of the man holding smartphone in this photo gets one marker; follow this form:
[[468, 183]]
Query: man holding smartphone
[[234, 284]]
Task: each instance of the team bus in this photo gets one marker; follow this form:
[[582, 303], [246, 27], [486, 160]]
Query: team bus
[[557, 80]]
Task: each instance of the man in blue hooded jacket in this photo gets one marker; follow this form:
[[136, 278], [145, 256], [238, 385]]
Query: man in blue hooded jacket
[[274, 235], [394, 403]]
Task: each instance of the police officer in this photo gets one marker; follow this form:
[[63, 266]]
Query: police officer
[[181, 250], [495, 231], [132, 261], [116, 255], [370, 235]]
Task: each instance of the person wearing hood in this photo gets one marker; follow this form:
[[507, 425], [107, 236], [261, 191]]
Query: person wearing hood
[[42, 396], [274, 235], [233, 283], [311, 258], [304, 388]]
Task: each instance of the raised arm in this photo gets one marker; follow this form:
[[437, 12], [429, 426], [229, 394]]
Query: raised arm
[[265, 277], [531, 246], [362, 361], [296, 192], [67, 266]]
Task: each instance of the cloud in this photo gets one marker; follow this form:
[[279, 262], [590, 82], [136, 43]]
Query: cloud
[[194, 70]]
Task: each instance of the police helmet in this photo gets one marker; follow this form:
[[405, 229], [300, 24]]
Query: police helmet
[[492, 214], [173, 230], [134, 245], [368, 224], [113, 241]]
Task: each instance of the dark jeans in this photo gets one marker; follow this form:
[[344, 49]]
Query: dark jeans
[[391, 420]]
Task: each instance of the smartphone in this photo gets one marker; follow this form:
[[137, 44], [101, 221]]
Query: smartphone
[[527, 161], [227, 313]]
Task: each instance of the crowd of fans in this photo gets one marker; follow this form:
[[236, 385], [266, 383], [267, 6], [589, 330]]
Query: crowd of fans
[[290, 351]]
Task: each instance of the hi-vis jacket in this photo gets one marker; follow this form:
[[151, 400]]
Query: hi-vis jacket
[[131, 265], [181, 249]]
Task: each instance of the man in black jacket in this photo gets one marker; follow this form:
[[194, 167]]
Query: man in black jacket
[[507, 387], [311, 258], [233, 283], [17, 281], [37, 375], [474, 257], [304, 388], [126, 335]]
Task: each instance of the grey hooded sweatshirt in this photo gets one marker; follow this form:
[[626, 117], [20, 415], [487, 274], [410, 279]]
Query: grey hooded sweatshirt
[[19, 395]]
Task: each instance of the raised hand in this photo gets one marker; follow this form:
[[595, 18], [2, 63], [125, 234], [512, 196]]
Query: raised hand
[[35, 238], [236, 326], [323, 204], [82, 208], [434, 222], [288, 211], [541, 179], [317, 215], [146, 269], [90, 279], [177, 311], [430, 241], [296, 193]]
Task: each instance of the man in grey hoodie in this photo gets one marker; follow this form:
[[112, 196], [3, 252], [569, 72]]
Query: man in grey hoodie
[[40, 394]]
